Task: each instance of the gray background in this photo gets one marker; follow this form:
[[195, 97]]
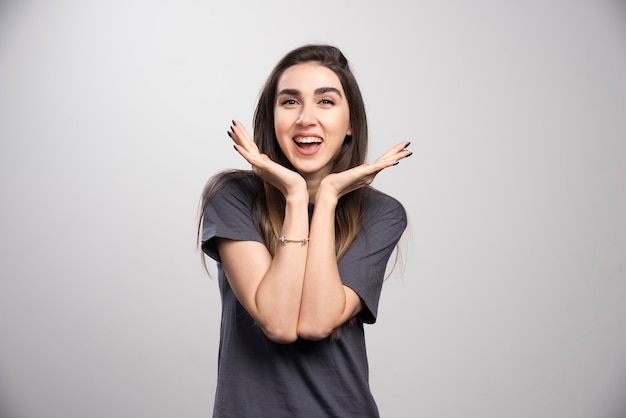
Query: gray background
[[512, 299]]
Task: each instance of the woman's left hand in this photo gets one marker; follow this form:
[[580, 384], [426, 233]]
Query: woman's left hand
[[347, 181]]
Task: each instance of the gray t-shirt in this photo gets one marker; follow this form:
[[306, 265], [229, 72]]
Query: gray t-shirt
[[260, 378]]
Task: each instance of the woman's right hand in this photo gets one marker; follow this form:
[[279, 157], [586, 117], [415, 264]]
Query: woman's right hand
[[287, 181]]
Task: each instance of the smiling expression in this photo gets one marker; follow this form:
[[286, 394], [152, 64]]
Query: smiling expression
[[311, 117]]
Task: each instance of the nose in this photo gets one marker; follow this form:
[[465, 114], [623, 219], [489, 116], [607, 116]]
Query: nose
[[306, 116]]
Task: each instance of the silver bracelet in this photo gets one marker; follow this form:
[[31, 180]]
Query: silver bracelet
[[283, 240]]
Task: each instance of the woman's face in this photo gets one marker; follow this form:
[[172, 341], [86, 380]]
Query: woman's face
[[311, 117]]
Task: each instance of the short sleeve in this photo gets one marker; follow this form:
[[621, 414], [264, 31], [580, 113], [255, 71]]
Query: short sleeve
[[228, 215], [363, 266]]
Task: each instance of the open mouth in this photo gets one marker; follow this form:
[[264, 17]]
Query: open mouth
[[307, 141]]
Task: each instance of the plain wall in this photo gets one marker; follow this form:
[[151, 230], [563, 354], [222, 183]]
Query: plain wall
[[512, 298]]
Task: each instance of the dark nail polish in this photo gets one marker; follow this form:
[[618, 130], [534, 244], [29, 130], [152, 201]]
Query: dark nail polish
[[410, 153], [407, 145], [234, 122], [235, 146], [396, 163], [229, 134]]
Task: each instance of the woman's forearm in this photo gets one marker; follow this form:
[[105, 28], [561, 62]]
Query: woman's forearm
[[323, 303], [279, 293]]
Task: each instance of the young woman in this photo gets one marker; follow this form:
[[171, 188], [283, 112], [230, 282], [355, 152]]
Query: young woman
[[301, 243]]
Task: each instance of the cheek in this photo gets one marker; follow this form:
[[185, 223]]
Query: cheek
[[281, 132], [279, 137], [349, 131], [345, 122], [280, 124]]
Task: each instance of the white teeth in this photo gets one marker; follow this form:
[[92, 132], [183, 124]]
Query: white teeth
[[308, 140]]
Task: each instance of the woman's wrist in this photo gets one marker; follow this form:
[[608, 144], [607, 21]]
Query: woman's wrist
[[300, 197], [325, 197]]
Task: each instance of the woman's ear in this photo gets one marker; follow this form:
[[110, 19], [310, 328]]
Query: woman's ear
[[349, 132]]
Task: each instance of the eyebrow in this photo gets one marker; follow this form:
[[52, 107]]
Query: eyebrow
[[321, 90]]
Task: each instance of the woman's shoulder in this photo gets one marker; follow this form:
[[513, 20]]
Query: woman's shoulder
[[378, 203], [232, 182]]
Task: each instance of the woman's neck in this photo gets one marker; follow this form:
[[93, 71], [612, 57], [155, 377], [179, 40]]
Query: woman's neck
[[313, 183]]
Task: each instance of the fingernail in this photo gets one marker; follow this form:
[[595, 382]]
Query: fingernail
[[235, 147], [407, 145], [234, 122], [396, 163], [229, 134], [409, 154]]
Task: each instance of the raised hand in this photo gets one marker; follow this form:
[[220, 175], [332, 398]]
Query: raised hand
[[284, 179], [340, 184]]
